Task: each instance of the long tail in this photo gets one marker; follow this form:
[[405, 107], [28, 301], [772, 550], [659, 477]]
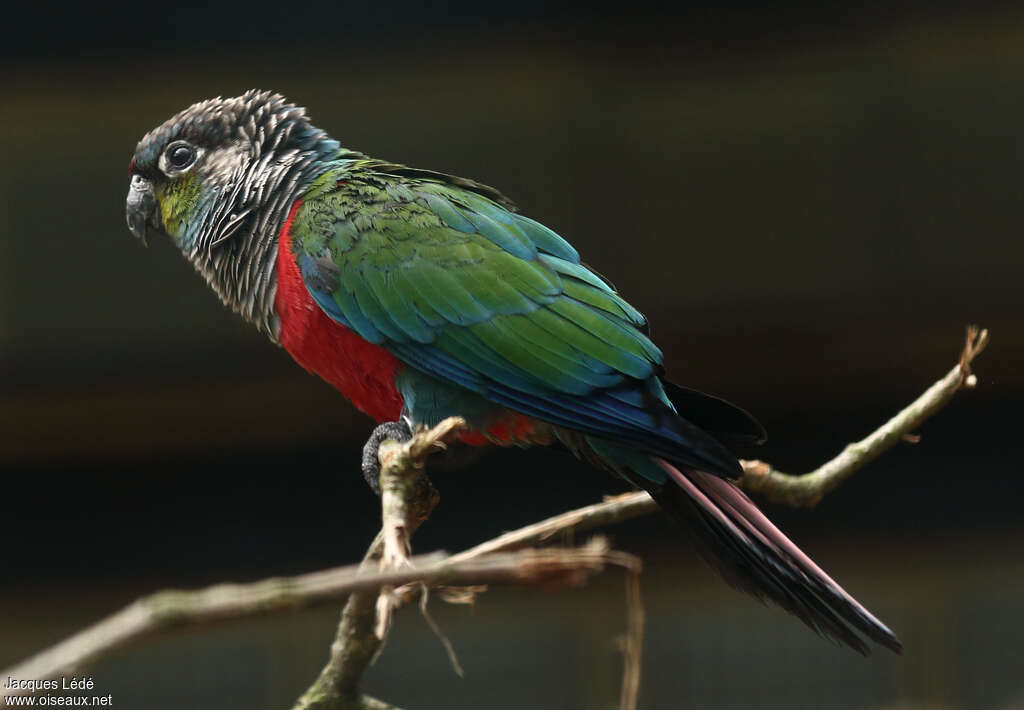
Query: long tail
[[753, 555]]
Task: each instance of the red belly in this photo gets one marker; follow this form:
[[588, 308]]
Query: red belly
[[360, 370]]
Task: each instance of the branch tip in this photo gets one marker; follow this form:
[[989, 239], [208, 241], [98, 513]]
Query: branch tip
[[975, 342]]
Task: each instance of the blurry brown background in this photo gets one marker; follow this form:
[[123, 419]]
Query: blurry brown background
[[808, 204]]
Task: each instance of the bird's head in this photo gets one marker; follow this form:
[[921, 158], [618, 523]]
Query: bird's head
[[218, 166]]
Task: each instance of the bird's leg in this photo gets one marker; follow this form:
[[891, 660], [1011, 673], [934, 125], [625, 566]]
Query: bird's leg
[[399, 431]]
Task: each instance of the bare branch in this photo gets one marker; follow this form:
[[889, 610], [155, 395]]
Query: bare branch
[[614, 509], [808, 489], [407, 499], [406, 503], [632, 643], [165, 610], [355, 646]]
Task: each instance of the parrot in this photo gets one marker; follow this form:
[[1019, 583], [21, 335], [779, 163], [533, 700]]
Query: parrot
[[420, 295]]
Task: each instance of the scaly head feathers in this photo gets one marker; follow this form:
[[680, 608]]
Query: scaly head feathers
[[233, 152], [218, 179]]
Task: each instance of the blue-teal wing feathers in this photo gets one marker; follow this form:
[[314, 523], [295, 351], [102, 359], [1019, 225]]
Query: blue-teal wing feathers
[[459, 286]]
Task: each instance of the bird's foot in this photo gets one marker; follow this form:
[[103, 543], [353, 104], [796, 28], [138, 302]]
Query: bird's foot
[[397, 431]]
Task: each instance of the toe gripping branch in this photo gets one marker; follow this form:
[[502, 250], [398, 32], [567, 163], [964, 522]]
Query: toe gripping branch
[[398, 431]]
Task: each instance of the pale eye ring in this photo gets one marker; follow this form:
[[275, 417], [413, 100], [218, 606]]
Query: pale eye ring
[[180, 155]]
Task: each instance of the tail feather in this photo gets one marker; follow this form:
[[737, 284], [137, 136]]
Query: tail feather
[[736, 538], [752, 554]]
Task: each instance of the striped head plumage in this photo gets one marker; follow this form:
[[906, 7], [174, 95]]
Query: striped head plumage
[[218, 178]]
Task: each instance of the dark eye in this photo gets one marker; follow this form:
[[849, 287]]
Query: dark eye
[[180, 155]]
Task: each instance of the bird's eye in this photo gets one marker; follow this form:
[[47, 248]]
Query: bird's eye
[[180, 155]]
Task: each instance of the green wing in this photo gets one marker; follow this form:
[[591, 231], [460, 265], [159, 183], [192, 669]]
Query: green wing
[[454, 283]]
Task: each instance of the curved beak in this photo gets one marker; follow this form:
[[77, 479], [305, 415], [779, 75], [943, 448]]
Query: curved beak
[[141, 207]]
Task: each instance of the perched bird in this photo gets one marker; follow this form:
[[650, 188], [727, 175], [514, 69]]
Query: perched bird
[[421, 295]]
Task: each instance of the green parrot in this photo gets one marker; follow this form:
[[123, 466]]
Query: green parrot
[[421, 295]]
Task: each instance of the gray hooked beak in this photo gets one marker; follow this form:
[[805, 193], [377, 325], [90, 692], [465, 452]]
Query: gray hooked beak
[[141, 207]]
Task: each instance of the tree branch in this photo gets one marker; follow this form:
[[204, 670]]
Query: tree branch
[[354, 648], [808, 489], [407, 500], [165, 610]]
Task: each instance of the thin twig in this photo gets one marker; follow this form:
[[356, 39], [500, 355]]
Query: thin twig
[[453, 657], [807, 490], [614, 509]]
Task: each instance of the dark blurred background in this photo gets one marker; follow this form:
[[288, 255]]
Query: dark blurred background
[[809, 203]]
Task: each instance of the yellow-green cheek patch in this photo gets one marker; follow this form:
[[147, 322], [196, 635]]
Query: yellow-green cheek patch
[[177, 202]]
